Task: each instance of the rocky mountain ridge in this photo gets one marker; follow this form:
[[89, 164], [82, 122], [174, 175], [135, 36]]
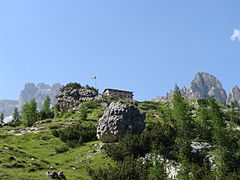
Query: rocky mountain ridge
[[38, 91], [7, 106], [203, 86], [31, 90], [234, 95]]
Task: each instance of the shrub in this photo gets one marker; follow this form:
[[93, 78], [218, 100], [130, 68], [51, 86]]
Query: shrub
[[14, 123], [130, 145], [160, 137], [72, 85], [129, 169], [68, 114], [83, 112], [91, 88], [76, 134], [61, 149]]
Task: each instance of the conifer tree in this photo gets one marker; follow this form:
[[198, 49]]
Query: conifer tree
[[30, 113], [218, 123], [16, 116], [166, 112], [234, 112], [83, 112], [46, 112], [221, 140], [204, 123], [56, 110], [182, 120], [1, 118]]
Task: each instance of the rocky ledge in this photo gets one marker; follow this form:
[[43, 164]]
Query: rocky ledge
[[73, 96]]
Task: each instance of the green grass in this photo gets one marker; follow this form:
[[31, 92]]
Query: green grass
[[28, 156], [31, 154]]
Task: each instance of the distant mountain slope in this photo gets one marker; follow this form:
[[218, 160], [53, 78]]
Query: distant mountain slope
[[7, 106], [31, 90], [203, 85], [38, 91], [234, 95]]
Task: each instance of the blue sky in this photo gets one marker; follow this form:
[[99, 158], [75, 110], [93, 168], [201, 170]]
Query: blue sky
[[146, 46]]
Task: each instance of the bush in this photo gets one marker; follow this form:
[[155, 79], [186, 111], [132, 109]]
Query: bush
[[61, 149], [68, 114], [157, 136], [130, 145], [76, 135], [129, 169], [72, 85], [91, 88], [90, 105], [14, 123]]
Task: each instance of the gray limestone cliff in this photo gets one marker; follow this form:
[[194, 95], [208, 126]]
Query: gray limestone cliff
[[7, 106], [206, 85], [234, 95], [203, 86], [38, 91]]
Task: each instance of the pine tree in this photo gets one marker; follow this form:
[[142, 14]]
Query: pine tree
[[218, 123], [221, 140], [56, 110], [46, 112], [46, 105], [16, 116], [166, 113], [30, 113], [83, 112], [2, 118], [203, 122], [234, 112], [183, 122]]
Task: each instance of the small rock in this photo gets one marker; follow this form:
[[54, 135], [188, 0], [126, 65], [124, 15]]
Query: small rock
[[52, 174], [44, 122], [200, 146], [12, 158], [8, 148], [92, 151], [90, 156], [61, 175], [50, 167]]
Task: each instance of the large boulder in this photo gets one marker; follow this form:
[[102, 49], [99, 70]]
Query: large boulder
[[118, 119]]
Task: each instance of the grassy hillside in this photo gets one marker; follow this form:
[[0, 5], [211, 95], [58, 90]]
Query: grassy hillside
[[28, 153]]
